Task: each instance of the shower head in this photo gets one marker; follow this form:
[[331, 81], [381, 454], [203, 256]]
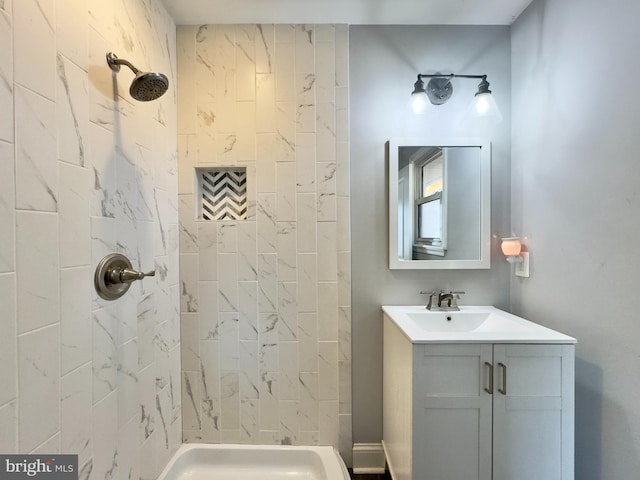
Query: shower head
[[146, 86]]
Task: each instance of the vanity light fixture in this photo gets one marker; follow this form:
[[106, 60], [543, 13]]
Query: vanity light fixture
[[512, 250], [439, 90]]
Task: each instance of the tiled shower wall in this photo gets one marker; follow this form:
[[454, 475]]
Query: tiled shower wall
[[266, 301], [85, 171]]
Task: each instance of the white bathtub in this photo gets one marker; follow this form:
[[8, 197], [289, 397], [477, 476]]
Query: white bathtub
[[199, 461]]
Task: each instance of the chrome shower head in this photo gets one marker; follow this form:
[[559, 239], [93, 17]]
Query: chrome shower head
[[146, 86]]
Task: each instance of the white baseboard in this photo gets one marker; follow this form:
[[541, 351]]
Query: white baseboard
[[368, 458]]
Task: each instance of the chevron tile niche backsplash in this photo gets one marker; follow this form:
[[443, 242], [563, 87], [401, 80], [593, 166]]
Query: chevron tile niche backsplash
[[266, 300], [222, 194]]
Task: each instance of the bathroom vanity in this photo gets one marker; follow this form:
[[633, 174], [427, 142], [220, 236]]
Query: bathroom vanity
[[476, 394]]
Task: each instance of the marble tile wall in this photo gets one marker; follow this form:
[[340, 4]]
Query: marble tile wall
[[265, 302], [85, 171]]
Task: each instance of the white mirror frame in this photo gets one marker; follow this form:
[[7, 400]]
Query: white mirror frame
[[484, 262]]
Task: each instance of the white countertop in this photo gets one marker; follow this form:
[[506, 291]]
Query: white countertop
[[483, 324]]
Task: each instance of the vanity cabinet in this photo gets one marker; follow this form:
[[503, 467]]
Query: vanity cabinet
[[477, 411]]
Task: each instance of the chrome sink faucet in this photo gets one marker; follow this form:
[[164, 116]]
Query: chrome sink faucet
[[439, 300]]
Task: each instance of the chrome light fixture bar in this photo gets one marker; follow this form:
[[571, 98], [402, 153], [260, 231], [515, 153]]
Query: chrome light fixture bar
[[439, 90]]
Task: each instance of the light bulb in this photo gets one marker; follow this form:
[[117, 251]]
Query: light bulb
[[484, 105], [419, 102], [511, 246]]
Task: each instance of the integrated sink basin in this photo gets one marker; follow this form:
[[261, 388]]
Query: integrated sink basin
[[470, 324]]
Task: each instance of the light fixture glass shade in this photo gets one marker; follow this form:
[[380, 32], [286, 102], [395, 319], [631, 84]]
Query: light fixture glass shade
[[484, 106], [511, 246], [419, 102]]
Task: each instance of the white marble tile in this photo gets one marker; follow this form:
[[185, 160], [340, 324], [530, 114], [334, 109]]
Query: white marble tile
[[345, 444], [305, 102], [245, 62], [307, 282], [306, 162], [187, 73], [207, 248], [105, 362], [229, 400], [285, 145], [105, 437], [228, 237], [344, 278], [74, 212], [265, 103], [187, 152], [7, 208], [286, 194], [75, 413], [328, 420], [38, 387], [8, 422], [72, 34], [328, 371], [247, 248], [6, 77], [289, 421], [265, 48], [343, 233], [148, 420], [225, 62], [325, 70], [269, 411], [248, 310], [266, 223], [8, 352], [285, 71], [35, 46], [267, 283], [287, 240], [102, 108], [146, 331], [287, 311], [327, 207], [268, 334], [36, 166], [37, 256], [285, 33], [72, 108], [249, 370], [327, 311], [305, 48], [128, 457], [250, 421], [127, 382], [190, 341], [229, 342], [343, 169], [75, 318], [103, 165], [228, 283], [245, 148], [308, 401], [306, 213], [327, 257], [188, 283], [308, 342], [266, 162], [344, 386], [288, 360], [208, 308], [326, 132], [188, 225], [210, 390]]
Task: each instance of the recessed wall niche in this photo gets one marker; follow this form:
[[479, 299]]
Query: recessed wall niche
[[222, 193]]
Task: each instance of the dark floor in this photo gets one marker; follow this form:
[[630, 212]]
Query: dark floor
[[359, 476]]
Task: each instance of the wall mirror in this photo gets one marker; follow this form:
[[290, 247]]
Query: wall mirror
[[439, 203]]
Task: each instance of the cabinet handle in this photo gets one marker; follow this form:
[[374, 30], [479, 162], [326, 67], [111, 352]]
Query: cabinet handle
[[490, 389], [503, 390]]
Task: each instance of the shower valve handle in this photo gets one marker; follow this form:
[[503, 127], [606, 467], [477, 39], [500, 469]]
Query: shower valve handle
[[127, 275]]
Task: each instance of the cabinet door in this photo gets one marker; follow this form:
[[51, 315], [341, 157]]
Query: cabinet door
[[533, 413], [452, 421]]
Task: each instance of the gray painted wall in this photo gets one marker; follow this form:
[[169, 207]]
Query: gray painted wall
[[575, 195], [384, 62]]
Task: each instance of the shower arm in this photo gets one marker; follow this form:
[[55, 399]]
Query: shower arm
[[115, 62]]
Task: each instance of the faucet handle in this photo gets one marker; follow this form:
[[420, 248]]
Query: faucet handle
[[434, 292], [457, 294]]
